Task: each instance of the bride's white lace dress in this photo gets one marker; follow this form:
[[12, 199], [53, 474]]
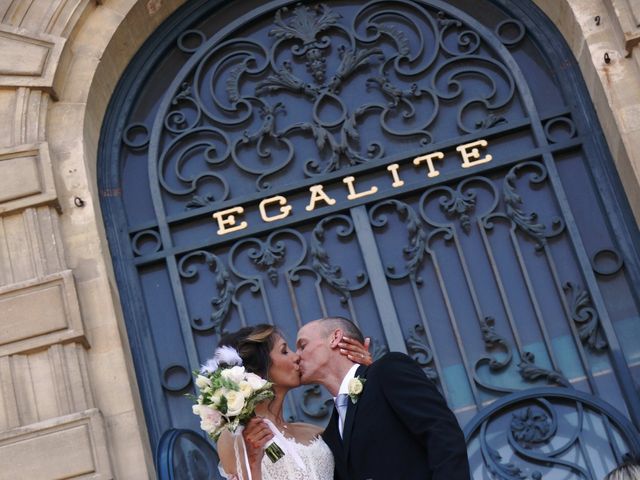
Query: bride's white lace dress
[[316, 458]]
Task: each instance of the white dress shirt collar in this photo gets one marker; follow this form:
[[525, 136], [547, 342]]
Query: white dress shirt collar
[[344, 386]]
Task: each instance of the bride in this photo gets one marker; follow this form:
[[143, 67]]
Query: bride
[[265, 352]]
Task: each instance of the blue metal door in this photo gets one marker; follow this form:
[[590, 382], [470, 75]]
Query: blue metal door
[[432, 170]]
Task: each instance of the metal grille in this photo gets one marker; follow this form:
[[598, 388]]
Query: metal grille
[[419, 167]]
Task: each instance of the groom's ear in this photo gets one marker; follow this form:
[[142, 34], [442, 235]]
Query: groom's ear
[[335, 338]]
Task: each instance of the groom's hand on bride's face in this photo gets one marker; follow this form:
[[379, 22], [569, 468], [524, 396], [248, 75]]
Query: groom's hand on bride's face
[[355, 351]]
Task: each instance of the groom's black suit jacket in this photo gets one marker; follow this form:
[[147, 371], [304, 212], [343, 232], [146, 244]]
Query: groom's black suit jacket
[[399, 429]]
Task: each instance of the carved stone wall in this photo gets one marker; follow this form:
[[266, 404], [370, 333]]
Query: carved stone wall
[[69, 404]]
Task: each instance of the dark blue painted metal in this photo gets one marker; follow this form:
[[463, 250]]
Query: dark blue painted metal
[[477, 274], [184, 455], [530, 432]]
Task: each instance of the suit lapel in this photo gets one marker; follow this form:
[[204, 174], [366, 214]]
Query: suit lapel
[[351, 413], [332, 438]]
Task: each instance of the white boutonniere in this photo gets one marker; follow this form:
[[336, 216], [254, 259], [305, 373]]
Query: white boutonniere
[[356, 385]]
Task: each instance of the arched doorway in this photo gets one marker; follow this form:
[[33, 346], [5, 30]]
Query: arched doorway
[[431, 170]]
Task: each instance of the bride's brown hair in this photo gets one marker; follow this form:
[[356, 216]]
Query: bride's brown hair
[[254, 345]]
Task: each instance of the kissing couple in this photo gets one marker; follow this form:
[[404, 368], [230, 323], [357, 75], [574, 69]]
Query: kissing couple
[[389, 421]]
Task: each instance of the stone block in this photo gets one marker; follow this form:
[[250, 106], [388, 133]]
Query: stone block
[[26, 177], [28, 59], [38, 313], [72, 446], [625, 20]]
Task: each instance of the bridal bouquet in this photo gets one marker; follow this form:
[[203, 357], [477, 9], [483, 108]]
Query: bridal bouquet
[[229, 395]]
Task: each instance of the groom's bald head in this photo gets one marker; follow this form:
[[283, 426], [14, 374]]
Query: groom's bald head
[[348, 328]]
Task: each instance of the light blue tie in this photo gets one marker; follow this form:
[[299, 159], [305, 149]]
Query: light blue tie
[[342, 402]]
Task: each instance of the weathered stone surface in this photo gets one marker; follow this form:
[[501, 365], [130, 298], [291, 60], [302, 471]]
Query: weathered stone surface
[[26, 177], [59, 376], [28, 59], [66, 447], [39, 313], [625, 16]]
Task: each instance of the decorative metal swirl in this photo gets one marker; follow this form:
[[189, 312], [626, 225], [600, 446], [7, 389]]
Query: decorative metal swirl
[[527, 222], [269, 255], [146, 242], [259, 103], [586, 317], [225, 286], [420, 350], [532, 372], [459, 203], [532, 426], [447, 83], [467, 41], [527, 368], [492, 341], [332, 274], [548, 427], [413, 252], [500, 470]]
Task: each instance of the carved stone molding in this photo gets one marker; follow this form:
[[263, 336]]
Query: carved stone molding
[[28, 59], [70, 446], [38, 313], [625, 19], [26, 177]]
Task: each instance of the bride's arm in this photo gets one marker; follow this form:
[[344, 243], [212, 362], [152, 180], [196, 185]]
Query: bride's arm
[[255, 435], [228, 457]]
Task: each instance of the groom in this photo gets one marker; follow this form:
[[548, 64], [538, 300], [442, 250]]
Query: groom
[[399, 427]]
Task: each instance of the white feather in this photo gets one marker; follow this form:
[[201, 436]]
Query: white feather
[[209, 366], [227, 355]]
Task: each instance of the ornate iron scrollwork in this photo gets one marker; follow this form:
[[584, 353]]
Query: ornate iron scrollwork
[[226, 288], [527, 222], [314, 63], [415, 251], [420, 351], [532, 372], [532, 426], [548, 429], [527, 367], [332, 274], [586, 317], [492, 340]]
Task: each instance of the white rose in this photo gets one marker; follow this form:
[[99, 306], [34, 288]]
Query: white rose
[[245, 388], [235, 402], [255, 381], [234, 374], [355, 386], [202, 382], [196, 409]]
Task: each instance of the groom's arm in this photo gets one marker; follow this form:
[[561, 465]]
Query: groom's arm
[[423, 410]]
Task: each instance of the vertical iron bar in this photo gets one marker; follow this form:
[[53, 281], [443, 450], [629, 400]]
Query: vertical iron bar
[[427, 329], [534, 300], [379, 287], [454, 326], [501, 290]]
